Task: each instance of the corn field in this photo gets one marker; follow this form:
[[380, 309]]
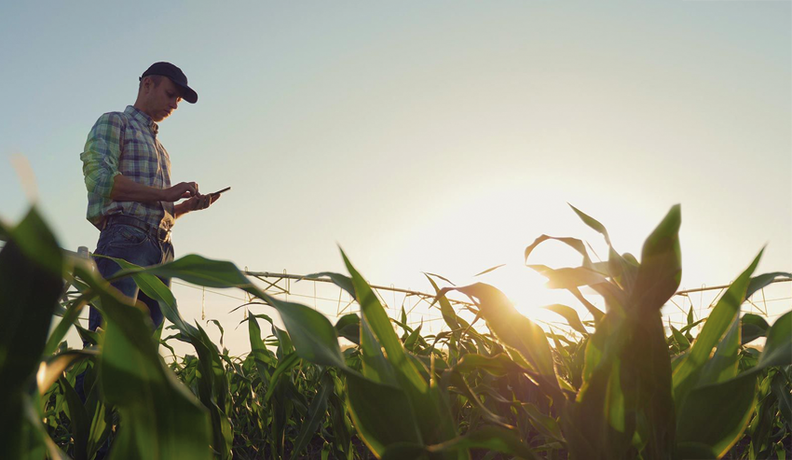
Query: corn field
[[496, 387]]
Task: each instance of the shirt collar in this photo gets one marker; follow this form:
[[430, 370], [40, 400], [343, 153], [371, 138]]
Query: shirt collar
[[138, 115]]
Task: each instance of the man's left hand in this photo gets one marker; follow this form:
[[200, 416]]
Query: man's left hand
[[199, 202]]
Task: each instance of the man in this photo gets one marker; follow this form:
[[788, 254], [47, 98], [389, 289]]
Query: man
[[127, 174]]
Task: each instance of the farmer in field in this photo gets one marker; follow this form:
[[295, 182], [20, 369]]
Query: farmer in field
[[127, 174]]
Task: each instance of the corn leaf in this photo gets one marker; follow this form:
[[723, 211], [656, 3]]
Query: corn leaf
[[570, 315], [728, 307], [30, 285], [716, 415], [162, 417], [50, 369], [316, 414], [434, 420], [574, 243], [661, 265], [514, 329], [777, 351], [753, 327], [723, 364], [391, 420], [568, 278], [313, 336], [765, 279], [498, 365]]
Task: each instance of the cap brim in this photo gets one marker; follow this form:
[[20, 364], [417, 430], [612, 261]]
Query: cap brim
[[188, 94]]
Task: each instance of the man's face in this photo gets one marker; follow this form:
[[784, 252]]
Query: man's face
[[162, 99]]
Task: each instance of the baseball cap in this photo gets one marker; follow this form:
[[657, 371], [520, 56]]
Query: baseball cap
[[166, 69]]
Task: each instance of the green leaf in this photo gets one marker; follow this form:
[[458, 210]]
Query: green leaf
[[30, 285], [545, 424], [391, 420], [34, 238], [498, 365], [284, 365], [313, 336], [780, 388], [726, 310], [342, 281], [593, 223], [595, 312], [570, 315], [34, 441], [449, 316], [759, 282], [348, 326], [680, 339], [723, 364], [156, 289], [51, 369], [80, 423], [753, 327], [574, 243], [777, 351], [162, 418], [69, 317], [413, 338], [316, 414], [285, 346], [622, 268], [198, 270], [595, 425], [514, 329], [661, 265], [434, 418], [211, 384], [375, 366], [457, 380], [261, 355], [568, 278], [220, 327], [626, 396], [716, 415]]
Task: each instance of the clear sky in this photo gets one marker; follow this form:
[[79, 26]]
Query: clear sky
[[435, 136]]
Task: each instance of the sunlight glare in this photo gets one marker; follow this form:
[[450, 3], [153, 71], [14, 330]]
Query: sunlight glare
[[527, 290]]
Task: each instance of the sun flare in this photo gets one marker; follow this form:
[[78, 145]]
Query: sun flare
[[527, 290]]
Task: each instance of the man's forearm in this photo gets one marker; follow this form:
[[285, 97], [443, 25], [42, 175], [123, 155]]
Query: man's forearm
[[125, 189]]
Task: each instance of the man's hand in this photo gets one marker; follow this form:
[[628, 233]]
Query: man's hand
[[195, 203], [199, 202], [181, 190]]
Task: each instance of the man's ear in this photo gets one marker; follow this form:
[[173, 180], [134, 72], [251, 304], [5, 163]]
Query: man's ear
[[146, 84]]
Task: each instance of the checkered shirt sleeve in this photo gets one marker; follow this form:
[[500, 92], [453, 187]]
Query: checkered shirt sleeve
[[100, 161]]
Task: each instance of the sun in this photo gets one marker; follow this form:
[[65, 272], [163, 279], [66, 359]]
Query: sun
[[527, 290]]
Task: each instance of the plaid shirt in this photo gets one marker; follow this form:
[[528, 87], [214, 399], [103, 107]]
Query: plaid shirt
[[126, 143]]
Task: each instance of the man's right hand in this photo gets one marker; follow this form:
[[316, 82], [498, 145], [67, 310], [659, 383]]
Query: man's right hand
[[179, 191]]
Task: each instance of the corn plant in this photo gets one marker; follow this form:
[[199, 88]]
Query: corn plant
[[627, 388]]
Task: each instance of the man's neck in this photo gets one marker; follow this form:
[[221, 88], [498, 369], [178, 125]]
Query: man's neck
[[138, 105]]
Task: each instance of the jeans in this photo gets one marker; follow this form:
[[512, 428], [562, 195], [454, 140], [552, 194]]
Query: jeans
[[138, 247]]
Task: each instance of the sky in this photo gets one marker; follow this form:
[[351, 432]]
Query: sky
[[438, 136]]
